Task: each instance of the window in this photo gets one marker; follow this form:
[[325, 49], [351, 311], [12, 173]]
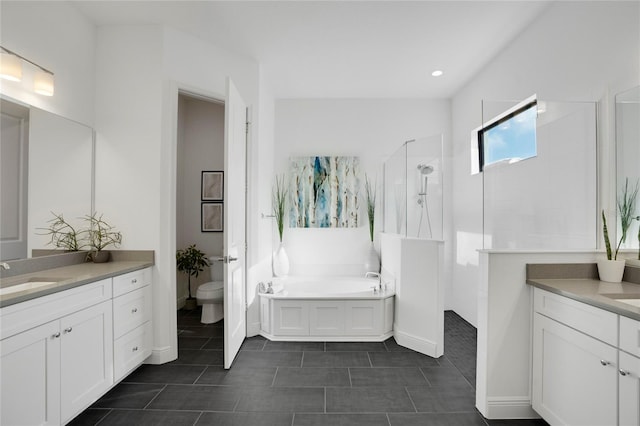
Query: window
[[510, 137]]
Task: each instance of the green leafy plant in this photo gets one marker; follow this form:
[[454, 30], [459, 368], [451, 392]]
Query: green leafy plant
[[626, 204], [62, 234], [371, 204], [100, 233], [191, 261], [279, 195]]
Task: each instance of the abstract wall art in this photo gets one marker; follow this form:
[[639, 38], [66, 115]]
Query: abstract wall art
[[324, 192]]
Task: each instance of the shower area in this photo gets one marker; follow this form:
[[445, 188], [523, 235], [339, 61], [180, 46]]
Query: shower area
[[413, 189], [412, 245]]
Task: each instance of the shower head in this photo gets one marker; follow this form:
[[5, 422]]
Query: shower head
[[424, 169]]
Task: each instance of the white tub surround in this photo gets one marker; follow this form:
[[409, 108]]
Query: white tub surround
[[417, 265], [328, 309]]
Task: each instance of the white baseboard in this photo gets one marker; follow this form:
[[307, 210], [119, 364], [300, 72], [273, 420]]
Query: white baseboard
[[417, 344], [162, 355], [508, 408]]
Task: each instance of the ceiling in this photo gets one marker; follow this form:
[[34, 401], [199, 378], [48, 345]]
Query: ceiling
[[343, 49]]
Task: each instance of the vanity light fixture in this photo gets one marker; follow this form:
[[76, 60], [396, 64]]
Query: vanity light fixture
[[11, 69], [437, 73]]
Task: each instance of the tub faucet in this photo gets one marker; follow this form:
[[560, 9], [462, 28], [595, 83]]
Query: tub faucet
[[5, 265], [375, 274]]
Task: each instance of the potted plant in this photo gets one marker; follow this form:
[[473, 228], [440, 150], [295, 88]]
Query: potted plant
[[100, 235], [280, 260], [191, 261], [612, 269], [373, 261], [62, 234]]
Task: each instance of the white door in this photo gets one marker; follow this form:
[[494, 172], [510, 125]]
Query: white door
[[235, 140], [13, 182]]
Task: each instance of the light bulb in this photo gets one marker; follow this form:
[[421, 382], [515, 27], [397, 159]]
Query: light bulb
[[43, 83], [10, 67]]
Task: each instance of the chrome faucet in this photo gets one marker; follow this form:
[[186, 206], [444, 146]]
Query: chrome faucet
[[5, 265], [375, 274]]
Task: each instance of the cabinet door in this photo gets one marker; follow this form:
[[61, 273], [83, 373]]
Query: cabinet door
[[363, 317], [575, 378], [86, 359], [291, 318], [326, 318], [30, 377], [629, 390]]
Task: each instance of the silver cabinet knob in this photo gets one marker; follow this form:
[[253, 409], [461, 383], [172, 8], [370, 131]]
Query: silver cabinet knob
[[68, 330], [624, 372], [133, 281], [55, 336], [605, 363], [134, 310], [134, 349]]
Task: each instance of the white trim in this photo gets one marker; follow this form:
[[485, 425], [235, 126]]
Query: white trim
[[378, 338], [160, 356], [508, 407], [417, 344]]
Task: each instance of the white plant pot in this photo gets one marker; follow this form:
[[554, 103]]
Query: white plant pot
[[372, 262], [280, 262], [611, 270]]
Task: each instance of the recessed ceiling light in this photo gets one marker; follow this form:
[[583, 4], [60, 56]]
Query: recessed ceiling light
[[437, 73]]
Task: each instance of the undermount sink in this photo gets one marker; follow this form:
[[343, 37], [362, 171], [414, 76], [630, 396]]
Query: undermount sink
[[629, 299], [30, 284]]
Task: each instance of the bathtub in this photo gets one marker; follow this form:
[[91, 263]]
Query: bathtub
[[327, 309]]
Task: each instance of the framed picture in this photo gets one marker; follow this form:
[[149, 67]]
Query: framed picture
[[211, 216], [212, 186]]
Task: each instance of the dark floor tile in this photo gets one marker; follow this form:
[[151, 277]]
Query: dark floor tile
[[150, 418], [443, 361], [215, 343], [166, 373], [393, 346], [199, 357], [306, 400], [268, 359], [185, 342], [443, 376], [314, 377], [448, 399], [336, 359], [368, 400], [340, 420], [201, 332], [129, 395], [294, 346], [436, 419], [519, 422], [89, 417], [245, 419], [401, 359], [255, 343], [190, 321], [194, 397], [381, 377], [238, 376], [356, 346]]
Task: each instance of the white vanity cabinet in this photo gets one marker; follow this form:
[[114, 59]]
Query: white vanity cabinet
[[52, 371], [585, 368]]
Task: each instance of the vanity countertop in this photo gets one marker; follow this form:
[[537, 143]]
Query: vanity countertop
[[594, 292], [66, 277]]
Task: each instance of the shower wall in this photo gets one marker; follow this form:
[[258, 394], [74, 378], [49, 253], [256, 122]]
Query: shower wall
[[413, 189]]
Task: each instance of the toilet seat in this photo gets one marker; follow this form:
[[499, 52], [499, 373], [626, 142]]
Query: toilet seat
[[210, 292]]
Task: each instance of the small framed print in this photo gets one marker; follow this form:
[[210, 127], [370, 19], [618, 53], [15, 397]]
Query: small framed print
[[211, 217], [212, 186]]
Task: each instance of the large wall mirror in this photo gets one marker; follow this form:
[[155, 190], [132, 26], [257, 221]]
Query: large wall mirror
[[628, 149], [46, 165]]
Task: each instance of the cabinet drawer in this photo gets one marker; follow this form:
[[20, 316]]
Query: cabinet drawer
[[596, 322], [630, 335], [132, 281], [131, 310], [130, 350]]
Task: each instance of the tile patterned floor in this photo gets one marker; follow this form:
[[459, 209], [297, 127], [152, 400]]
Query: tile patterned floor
[[300, 384]]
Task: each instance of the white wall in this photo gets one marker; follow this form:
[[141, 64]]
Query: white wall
[[56, 36], [372, 129], [585, 51], [200, 148]]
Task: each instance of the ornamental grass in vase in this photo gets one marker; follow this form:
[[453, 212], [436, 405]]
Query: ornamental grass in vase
[[612, 269], [280, 259], [373, 260]]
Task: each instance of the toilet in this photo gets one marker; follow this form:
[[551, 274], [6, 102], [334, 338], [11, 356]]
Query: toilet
[[211, 294]]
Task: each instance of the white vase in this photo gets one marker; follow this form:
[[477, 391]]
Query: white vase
[[280, 262], [372, 261], [611, 270]]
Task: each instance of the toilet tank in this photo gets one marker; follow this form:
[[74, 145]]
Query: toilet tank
[[216, 270]]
